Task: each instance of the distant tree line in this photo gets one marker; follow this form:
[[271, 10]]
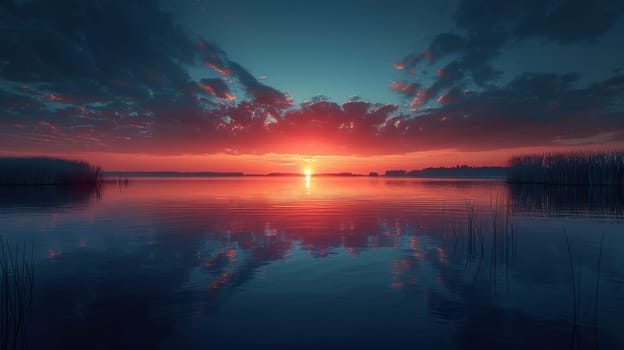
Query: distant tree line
[[577, 168], [46, 171], [460, 171]]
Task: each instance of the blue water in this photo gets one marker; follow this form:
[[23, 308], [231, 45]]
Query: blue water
[[324, 263]]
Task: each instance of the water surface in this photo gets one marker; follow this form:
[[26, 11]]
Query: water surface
[[322, 263]]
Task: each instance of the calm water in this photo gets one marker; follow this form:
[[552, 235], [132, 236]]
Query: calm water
[[287, 263]]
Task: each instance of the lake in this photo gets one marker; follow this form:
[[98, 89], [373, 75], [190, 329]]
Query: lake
[[321, 262]]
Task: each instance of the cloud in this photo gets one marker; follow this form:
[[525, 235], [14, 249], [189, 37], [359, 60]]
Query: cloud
[[464, 105], [217, 87], [72, 79], [96, 49], [262, 94], [532, 110], [485, 28], [566, 22], [118, 69]]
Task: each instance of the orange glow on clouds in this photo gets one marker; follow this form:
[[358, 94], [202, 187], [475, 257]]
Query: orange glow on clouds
[[211, 91], [220, 70]]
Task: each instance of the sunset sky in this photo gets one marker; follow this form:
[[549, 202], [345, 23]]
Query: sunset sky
[[278, 85]]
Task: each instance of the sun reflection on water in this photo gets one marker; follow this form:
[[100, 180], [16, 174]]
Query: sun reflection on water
[[307, 172], [307, 182]]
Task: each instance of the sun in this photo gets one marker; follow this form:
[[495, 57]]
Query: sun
[[307, 172]]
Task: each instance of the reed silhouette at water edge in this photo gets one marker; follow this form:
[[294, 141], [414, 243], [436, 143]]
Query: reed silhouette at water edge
[[47, 171], [577, 168], [17, 271]]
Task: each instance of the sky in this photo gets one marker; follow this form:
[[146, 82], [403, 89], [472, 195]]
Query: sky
[[276, 85]]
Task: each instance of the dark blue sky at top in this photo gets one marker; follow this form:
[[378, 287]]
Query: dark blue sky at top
[[342, 48], [333, 77], [331, 48]]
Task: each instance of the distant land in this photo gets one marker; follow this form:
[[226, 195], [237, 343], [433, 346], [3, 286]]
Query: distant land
[[462, 171], [318, 174], [573, 168], [208, 174], [170, 174]]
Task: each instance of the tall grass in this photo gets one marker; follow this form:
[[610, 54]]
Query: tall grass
[[576, 168], [46, 171], [17, 271], [486, 231], [597, 292]]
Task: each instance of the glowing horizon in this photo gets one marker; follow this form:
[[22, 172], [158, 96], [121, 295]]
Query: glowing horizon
[[203, 99], [293, 163]]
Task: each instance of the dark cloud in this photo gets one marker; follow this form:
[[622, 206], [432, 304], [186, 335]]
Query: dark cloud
[[114, 76], [262, 94], [486, 27], [93, 49], [532, 110], [101, 49], [116, 70], [464, 105], [566, 21]]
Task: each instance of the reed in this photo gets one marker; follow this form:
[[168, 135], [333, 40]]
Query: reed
[[47, 171], [17, 271], [597, 293], [576, 294], [575, 168], [486, 234]]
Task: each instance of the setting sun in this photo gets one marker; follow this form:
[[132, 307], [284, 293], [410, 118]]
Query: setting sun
[[307, 172]]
